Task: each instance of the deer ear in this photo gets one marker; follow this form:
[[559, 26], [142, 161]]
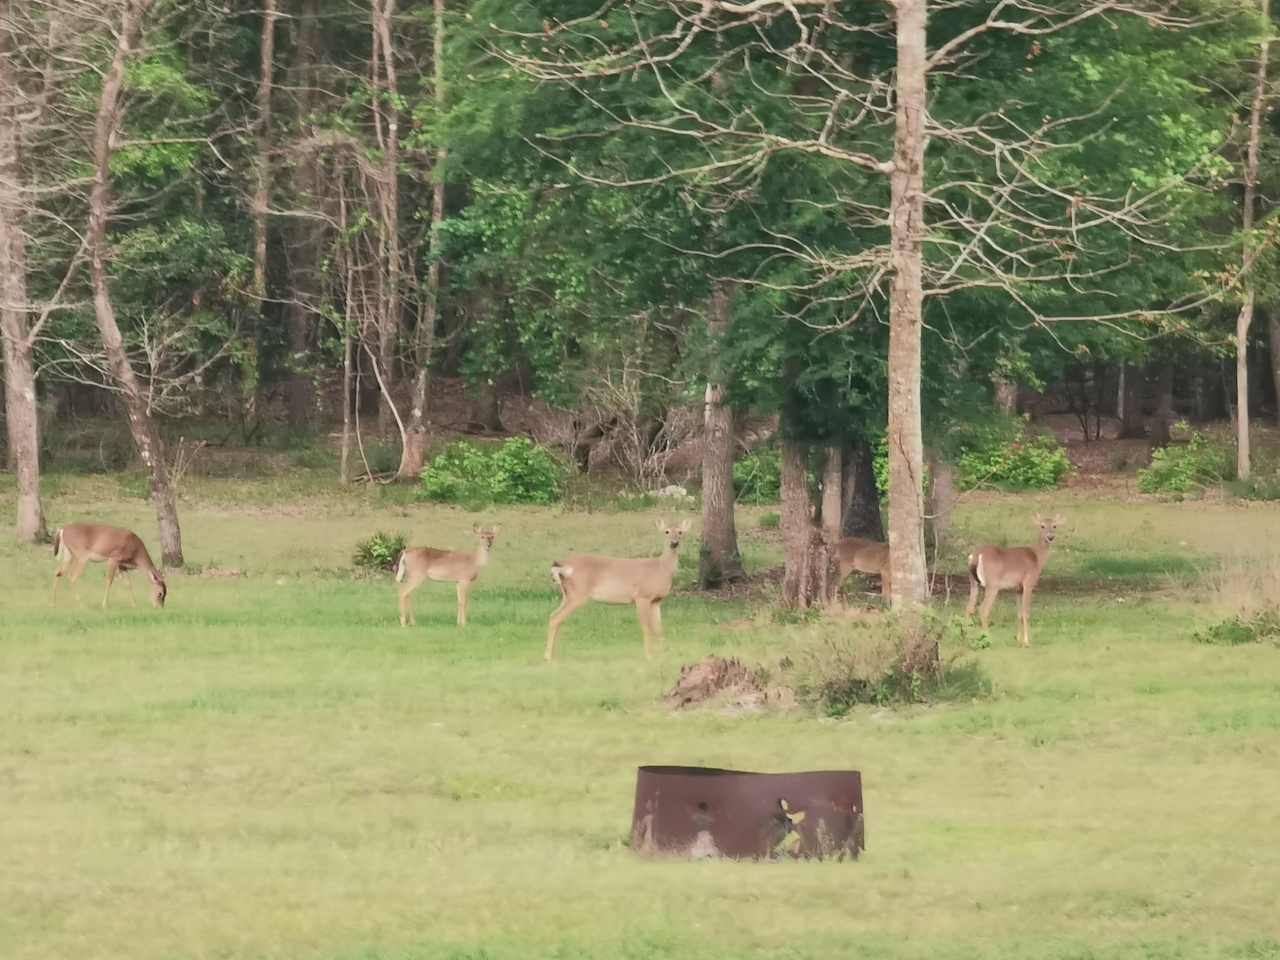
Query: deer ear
[[156, 578], [661, 525], [1059, 518], [685, 524], [1037, 519]]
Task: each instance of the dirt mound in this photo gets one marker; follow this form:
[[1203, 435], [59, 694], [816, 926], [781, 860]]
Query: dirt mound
[[728, 682]]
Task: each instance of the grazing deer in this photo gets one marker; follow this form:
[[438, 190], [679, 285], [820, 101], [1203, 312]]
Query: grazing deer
[[646, 583], [864, 556], [417, 564], [77, 543], [998, 568]]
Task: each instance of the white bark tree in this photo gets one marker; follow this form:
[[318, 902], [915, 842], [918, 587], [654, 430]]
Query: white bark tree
[[1244, 319]]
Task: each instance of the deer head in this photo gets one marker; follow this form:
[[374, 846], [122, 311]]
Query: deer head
[[1048, 527], [673, 533]]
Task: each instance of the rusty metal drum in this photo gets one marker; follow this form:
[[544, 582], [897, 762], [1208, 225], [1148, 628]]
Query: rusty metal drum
[[700, 812]]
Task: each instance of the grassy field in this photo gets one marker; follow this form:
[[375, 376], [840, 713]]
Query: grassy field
[[272, 768]]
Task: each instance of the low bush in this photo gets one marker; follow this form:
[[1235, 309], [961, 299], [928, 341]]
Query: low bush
[[1184, 468], [379, 552], [757, 477], [1004, 453], [516, 472], [888, 661], [1255, 628]]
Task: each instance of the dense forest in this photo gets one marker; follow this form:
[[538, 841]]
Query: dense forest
[[871, 224]]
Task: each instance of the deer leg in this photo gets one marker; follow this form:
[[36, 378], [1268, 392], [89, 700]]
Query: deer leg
[[973, 597], [1026, 615], [644, 612], [63, 563], [112, 567], [988, 601], [133, 594], [406, 603], [462, 603], [560, 615]]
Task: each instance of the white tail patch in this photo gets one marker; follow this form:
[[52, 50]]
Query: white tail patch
[[400, 570], [558, 573], [981, 577]]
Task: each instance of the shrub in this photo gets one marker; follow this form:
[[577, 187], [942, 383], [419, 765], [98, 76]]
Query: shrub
[[1004, 453], [379, 552], [1255, 628], [525, 473], [885, 662], [516, 472], [757, 477], [1185, 467]]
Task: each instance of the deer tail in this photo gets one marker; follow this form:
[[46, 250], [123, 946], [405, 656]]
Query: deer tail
[[558, 572], [975, 569], [57, 541], [400, 568]]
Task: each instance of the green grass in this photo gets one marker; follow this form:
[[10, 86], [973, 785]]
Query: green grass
[[272, 768]]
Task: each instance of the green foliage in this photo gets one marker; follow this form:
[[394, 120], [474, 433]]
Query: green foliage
[[516, 472], [1003, 453], [887, 662], [1182, 468], [769, 521], [1256, 627], [379, 552], [757, 477]]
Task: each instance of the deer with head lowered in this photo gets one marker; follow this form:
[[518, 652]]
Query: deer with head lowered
[[864, 556], [122, 550], [417, 564], [646, 583], [999, 568]]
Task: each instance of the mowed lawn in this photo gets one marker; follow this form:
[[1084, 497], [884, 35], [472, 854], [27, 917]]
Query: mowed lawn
[[272, 768]]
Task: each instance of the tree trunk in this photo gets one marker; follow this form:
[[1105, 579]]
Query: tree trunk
[[1245, 317], [141, 426], [906, 447], [305, 246], [261, 203], [797, 520], [1164, 414], [940, 502], [1132, 423], [414, 454], [348, 325], [22, 422], [862, 499], [832, 507], [486, 411], [1006, 396], [389, 318], [719, 561], [1274, 334]]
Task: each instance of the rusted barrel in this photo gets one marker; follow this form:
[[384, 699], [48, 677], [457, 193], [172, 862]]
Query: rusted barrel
[[700, 812]]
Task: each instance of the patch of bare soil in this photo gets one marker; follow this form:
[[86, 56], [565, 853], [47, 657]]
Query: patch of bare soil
[[729, 683]]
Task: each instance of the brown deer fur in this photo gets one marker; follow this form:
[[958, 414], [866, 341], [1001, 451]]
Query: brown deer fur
[[122, 550]]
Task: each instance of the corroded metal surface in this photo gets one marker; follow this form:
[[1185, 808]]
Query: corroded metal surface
[[702, 812]]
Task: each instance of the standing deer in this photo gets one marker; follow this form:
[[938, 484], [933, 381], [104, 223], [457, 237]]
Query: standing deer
[[865, 556], [77, 543], [998, 568], [417, 564], [646, 583]]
